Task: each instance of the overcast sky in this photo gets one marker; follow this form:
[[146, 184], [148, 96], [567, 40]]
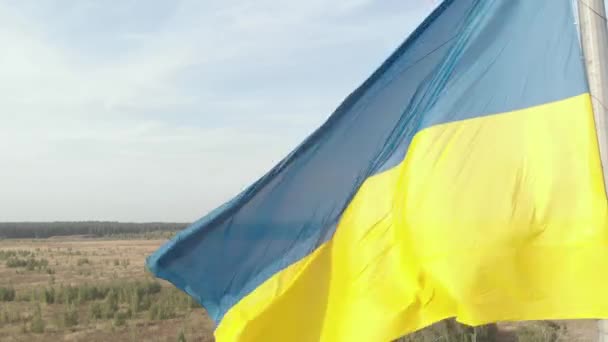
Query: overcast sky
[[161, 110]]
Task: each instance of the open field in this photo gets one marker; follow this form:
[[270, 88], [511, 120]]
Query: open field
[[90, 290], [80, 289]]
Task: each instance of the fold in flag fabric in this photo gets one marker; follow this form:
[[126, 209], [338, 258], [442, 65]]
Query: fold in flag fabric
[[462, 179]]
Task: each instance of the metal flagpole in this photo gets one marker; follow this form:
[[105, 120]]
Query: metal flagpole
[[594, 38]]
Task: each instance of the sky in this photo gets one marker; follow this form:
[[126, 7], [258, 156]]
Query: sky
[[157, 110]]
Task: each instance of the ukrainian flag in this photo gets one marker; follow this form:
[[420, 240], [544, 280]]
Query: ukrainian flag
[[462, 179]]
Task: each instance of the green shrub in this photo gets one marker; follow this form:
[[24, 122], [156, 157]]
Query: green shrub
[[96, 310], [7, 254], [83, 261], [85, 293], [541, 331], [153, 287], [49, 295], [110, 305], [181, 337], [27, 296], [135, 302], [37, 325], [161, 311], [7, 294], [145, 302], [67, 294], [15, 262], [10, 316], [120, 318], [85, 272], [29, 264], [153, 312], [13, 254], [70, 316], [34, 264]]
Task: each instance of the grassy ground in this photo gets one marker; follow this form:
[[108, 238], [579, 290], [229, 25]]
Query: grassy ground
[[98, 290], [535, 331], [91, 290]]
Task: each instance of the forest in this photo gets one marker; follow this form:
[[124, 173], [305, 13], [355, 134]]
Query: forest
[[42, 230]]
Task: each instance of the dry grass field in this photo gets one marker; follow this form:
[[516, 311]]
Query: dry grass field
[[91, 290], [81, 289]]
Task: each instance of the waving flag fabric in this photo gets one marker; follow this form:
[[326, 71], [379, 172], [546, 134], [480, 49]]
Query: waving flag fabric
[[462, 179]]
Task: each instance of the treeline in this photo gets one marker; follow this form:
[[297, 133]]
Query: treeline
[[42, 230]]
